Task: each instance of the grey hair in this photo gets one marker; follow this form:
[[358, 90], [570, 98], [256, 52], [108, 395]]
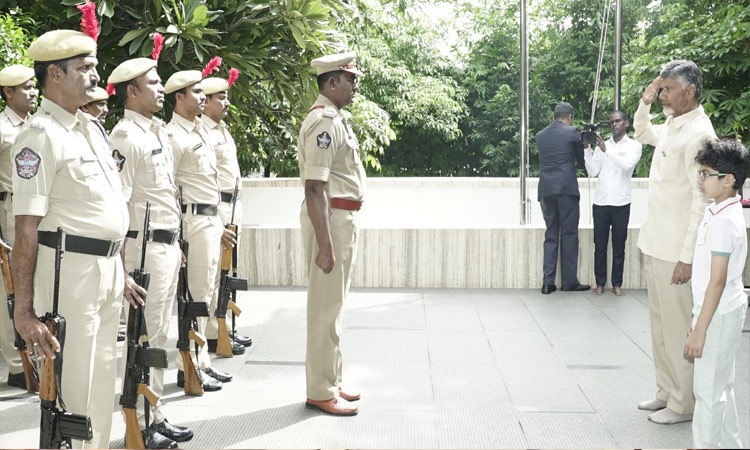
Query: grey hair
[[684, 72]]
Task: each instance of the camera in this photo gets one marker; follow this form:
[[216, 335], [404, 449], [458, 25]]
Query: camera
[[588, 135]]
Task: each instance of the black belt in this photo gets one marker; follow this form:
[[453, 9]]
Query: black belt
[[201, 208], [5, 194], [80, 244], [161, 236], [228, 197]]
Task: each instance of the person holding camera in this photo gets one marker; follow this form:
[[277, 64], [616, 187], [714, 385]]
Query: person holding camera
[[613, 162], [559, 146]]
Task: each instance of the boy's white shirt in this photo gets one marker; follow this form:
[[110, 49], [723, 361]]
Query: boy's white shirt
[[721, 232]]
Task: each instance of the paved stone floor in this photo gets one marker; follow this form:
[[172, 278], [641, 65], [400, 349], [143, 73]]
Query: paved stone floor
[[437, 368]]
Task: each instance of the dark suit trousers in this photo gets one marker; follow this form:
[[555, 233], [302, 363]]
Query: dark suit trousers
[[616, 218], [561, 214]]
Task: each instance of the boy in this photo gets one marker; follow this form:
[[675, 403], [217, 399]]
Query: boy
[[719, 299]]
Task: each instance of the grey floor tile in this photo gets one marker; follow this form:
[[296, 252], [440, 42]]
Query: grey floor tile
[[544, 389], [459, 348], [522, 349], [453, 318], [394, 314], [508, 314], [565, 430]]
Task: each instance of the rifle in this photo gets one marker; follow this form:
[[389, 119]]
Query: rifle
[[29, 369], [140, 357], [188, 310], [228, 289], [58, 426]]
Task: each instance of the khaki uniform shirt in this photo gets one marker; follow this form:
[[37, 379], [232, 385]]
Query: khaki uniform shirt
[[226, 153], [63, 172], [328, 151], [10, 125], [140, 148], [675, 205], [194, 161]]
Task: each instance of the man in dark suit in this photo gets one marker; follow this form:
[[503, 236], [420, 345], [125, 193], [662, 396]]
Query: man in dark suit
[[559, 147]]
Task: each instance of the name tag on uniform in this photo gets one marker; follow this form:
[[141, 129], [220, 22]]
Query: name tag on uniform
[[156, 151], [198, 146]]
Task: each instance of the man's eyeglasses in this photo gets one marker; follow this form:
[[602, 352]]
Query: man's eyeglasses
[[702, 174]]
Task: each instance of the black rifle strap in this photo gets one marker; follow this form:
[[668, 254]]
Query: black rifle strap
[[58, 364]]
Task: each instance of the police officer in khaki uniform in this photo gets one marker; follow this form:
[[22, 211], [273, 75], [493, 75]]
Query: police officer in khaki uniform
[[98, 108], [18, 90], [216, 108], [65, 177], [331, 171], [140, 148], [195, 172]]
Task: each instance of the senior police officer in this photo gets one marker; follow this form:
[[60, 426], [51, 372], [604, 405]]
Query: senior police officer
[[64, 177], [18, 89], [140, 148], [332, 174], [195, 172], [216, 108]]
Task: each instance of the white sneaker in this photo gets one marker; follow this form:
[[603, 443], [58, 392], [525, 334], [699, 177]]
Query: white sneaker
[[666, 417], [652, 405]]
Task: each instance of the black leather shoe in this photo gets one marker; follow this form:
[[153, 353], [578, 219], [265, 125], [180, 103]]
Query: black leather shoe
[[240, 339], [174, 432], [217, 374], [154, 439], [237, 348], [17, 380], [209, 384], [576, 287], [120, 338], [548, 288]]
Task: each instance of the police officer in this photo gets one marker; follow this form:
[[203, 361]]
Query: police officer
[[65, 177], [332, 174], [216, 108], [18, 90], [140, 148], [195, 172], [97, 107]]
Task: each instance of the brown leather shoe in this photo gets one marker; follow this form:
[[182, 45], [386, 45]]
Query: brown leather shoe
[[350, 396], [333, 406]]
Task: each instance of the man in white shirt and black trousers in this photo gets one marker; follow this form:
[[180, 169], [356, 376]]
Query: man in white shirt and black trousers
[[613, 162]]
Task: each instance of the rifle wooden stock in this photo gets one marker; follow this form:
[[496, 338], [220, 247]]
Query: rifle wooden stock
[[234, 308], [223, 343], [7, 277], [47, 386], [226, 259], [133, 436], [29, 371], [146, 391], [193, 385], [197, 337]]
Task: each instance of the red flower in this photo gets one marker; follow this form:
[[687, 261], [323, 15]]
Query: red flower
[[111, 89], [89, 22], [212, 66], [158, 45], [233, 75]]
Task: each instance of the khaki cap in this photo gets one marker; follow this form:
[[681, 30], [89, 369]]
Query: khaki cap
[[214, 85], [99, 95], [15, 75], [340, 61], [61, 44], [131, 69], [182, 79]]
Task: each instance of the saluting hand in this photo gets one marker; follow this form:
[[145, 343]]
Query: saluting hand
[[33, 331], [134, 293], [652, 91]]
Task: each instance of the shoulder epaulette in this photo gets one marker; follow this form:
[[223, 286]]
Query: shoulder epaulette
[[120, 132], [329, 112], [36, 126]]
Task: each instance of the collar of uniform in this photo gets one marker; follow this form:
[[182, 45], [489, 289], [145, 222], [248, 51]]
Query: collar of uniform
[[209, 122], [143, 122], [186, 124], [624, 140], [13, 117], [325, 101], [715, 208], [65, 118], [679, 121]]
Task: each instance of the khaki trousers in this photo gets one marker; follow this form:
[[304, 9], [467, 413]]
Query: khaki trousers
[[715, 421], [670, 308], [163, 263], [90, 297], [225, 214], [325, 302], [204, 235], [7, 333]]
